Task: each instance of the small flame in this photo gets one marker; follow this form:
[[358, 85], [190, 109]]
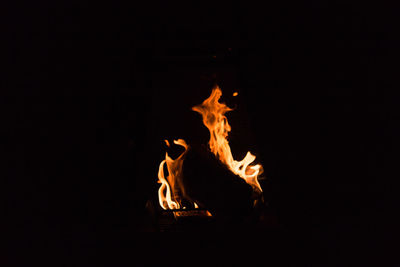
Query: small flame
[[235, 93], [167, 143], [214, 119]]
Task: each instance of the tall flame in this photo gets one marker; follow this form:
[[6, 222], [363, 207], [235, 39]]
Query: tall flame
[[214, 119], [166, 198]]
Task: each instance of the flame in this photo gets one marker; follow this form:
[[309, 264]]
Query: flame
[[214, 119], [169, 199], [213, 114]]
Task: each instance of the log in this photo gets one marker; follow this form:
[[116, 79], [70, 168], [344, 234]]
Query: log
[[209, 183]]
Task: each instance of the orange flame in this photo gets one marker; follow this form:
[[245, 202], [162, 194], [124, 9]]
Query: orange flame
[[214, 119]]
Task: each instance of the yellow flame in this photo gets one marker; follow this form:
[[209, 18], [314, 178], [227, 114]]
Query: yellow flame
[[168, 193]]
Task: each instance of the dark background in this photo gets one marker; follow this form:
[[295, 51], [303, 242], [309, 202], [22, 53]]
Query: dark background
[[91, 90]]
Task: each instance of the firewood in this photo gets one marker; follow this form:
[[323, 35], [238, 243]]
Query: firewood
[[209, 183]]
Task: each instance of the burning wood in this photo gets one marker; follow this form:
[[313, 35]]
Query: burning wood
[[191, 213], [213, 186], [210, 177]]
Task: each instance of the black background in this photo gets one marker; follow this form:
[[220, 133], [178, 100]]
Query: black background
[[91, 90]]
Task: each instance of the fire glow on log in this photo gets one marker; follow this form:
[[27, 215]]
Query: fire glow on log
[[209, 177]]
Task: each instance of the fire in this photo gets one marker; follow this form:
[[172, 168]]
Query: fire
[[213, 113], [166, 198], [214, 119]]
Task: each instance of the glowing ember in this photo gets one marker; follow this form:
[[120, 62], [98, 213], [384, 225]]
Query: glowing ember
[[171, 190]]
